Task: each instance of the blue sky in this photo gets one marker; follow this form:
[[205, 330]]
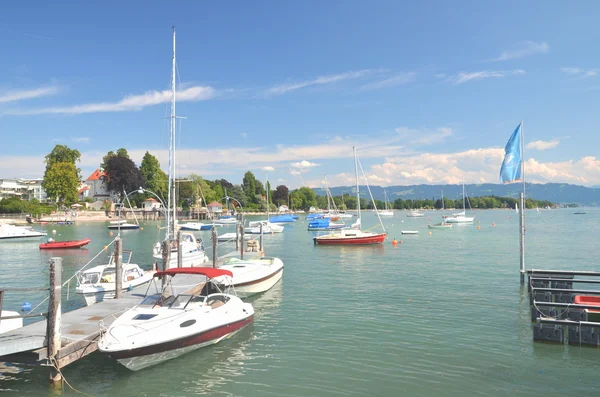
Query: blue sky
[[429, 92]]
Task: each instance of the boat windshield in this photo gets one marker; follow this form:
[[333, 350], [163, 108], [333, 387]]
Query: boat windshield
[[150, 300], [108, 275], [182, 301], [89, 278]]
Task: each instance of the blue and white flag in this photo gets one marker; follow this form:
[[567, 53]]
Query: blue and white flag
[[511, 166]]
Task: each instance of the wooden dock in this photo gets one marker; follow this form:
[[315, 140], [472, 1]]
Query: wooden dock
[[62, 338]]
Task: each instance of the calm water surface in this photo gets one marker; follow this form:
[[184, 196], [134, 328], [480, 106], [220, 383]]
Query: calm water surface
[[438, 315]]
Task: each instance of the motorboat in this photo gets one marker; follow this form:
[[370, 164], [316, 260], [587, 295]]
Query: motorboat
[[12, 232], [251, 276], [415, 214], [227, 237], [191, 312], [192, 248], [226, 220], [285, 218], [441, 225], [198, 226], [51, 244], [98, 283], [124, 226], [353, 235], [409, 232], [118, 222], [10, 324], [267, 227]]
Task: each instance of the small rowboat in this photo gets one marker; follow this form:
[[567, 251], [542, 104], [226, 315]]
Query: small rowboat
[[409, 232], [65, 244]]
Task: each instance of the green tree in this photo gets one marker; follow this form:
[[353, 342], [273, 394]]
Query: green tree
[[61, 181], [249, 186], [122, 175], [155, 179], [62, 154], [308, 197]]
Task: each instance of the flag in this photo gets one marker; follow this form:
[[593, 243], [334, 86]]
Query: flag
[[511, 166]]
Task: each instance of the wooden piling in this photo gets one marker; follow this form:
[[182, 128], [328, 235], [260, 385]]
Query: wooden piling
[[54, 319], [215, 240], [242, 241], [260, 243], [166, 258], [179, 250], [118, 268]]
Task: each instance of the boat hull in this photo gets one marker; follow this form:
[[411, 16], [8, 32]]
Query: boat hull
[[105, 291], [124, 227], [190, 259], [143, 357], [65, 244], [361, 240], [245, 290]]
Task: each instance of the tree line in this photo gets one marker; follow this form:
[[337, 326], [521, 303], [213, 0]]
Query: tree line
[[62, 180]]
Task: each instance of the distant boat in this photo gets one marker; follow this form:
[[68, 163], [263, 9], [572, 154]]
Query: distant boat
[[12, 232], [579, 213], [516, 208], [415, 214], [409, 232], [442, 224], [461, 217], [388, 208]]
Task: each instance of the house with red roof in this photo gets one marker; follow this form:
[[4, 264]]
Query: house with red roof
[[215, 207], [151, 204], [98, 189]]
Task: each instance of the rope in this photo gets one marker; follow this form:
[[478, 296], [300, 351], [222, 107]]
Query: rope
[[54, 364], [74, 275]]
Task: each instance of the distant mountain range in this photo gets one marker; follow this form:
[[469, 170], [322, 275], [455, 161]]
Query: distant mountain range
[[559, 193]]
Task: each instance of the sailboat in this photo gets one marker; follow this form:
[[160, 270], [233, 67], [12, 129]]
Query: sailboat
[[267, 227], [516, 208], [122, 224], [388, 208], [354, 235], [192, 249], [461, 217], [442, 224]]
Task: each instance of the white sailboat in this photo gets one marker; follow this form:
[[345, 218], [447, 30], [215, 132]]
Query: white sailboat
[[267, 227], [192, 249], [443, 224], [388, 208], [13, 233], [461, 217], [516, 208]]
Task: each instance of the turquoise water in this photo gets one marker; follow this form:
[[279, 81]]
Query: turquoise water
[[438, 315]]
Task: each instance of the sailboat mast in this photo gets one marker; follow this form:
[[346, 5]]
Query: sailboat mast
[[357, 190], [172, 145]]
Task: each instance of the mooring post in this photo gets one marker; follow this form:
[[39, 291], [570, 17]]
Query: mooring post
[[54, 319], [118, 268], [237, 232], [242, 241], [179, 250], [522, 237], [215, 240], [166, 257], [260, 240]]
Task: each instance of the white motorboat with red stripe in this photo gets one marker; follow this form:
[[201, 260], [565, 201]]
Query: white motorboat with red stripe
[[252, 276], [187, 315]]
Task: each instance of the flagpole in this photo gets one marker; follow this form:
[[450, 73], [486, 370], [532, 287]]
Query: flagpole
[[522, 214]]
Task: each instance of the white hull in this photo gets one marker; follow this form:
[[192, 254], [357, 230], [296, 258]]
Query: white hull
[[415, 215], [409, 232], [190, 259], [460, 219], [386, 213], [252, 276], [10, 324], [263, 286], [227, 237], [141, 362], [103, 291], [13, 233]]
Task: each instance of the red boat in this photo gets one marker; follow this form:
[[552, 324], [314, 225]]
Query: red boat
[[350, 237], [65, 244]]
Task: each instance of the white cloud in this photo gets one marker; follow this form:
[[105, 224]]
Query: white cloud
[[402, 78], [129, 103], [463, 77], [543, 145], [82, 139], [13, 96], [268, 168], [304, 164], [440, 75], [329, 79], [580, 72], [244, 134], [414, 136], [526, 48], [294, 172]]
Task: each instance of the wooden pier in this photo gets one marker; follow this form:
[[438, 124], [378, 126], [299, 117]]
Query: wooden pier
[[62, 338]]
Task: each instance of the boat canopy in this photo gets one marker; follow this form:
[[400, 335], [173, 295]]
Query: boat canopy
[[205, 271]]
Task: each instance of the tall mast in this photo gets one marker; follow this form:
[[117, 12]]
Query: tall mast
[[173, 186], [522, 215], [357, 191]]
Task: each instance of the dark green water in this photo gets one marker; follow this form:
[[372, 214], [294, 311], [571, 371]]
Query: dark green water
[[438, 315]]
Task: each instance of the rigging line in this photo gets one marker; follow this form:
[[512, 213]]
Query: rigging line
[[371, 194]]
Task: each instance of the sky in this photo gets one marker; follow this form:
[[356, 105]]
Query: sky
[[428, 92]]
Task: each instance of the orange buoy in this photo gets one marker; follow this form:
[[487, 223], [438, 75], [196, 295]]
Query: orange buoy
[[429, 233], [478, 227], [394, 242], [141, 228], [105, 247], [493, 223], [110, 233]]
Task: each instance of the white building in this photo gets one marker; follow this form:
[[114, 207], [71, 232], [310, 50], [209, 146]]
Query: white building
[[215, 207], [27, 189], [97, 187], [151, 204]]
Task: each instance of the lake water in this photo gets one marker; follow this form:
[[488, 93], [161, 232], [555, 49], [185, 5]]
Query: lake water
[[438, 315]]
